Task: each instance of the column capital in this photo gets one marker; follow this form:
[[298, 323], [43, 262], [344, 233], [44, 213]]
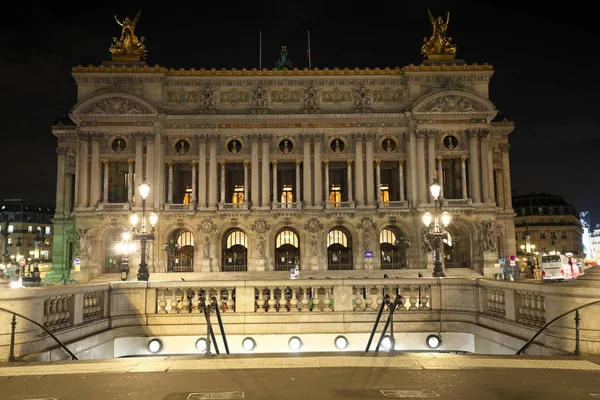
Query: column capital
[[61, 151], [463, 159], [150, 136], [105, 162], [439, 159], [370, 136], [420, 134], [505, 147], [484, 134], [138, 136], [377, 163], [246, 163], [326, 162], [169, 164], [95, 136], [432, 134], [194, 163], [298, 162], [349, 162], [274, 162], [130, 162], [358, 136], [266, 137], [473, 133]]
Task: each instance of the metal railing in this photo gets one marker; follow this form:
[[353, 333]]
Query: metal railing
[[13, 324], [392, 305], [577, 350]]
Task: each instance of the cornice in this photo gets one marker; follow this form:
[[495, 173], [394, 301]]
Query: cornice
[[282, 72]]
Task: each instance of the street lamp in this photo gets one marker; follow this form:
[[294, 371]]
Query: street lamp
[[436, 233], [140, 233], [125, 247]]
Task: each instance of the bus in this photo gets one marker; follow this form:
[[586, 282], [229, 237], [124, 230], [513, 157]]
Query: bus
[[558, 268]]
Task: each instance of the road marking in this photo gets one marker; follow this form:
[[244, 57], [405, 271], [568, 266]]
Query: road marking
[[216, 395], [409, 393]]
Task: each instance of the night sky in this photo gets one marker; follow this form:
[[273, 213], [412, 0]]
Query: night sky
[[544, 59]]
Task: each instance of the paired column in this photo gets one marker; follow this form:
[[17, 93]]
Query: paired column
[[95, 170], [440, 177], [487, 168], [149, 172], [378, 180], [401, 178], [170, 183], [194, 197], [202, 173], [327, 188], [358, 170], [350, 198], [212, 174], [129, 181], [421, 177], [431, 135], [61, 177], [222, 199], [275, 194], [82, 171], [505, 147], [307, 171], [105, 182], [298, 186], [254, 191], [265, 171], [139, 167], [475, 178], [369, 170], [318, 184], [246, 163], [463, 175]]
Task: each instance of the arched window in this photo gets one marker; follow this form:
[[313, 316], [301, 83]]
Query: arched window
[[113, 256], [235, 251], [180, 251], [393, 249], [287, 250], [339, 250]]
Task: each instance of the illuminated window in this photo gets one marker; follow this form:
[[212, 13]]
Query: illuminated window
[[30, 229], [337, 236], [238, 194], [387, 236], [287, 237], [384, 193], [11, 228], [335, 195], [187, 197], [287, 196], [237, 238]]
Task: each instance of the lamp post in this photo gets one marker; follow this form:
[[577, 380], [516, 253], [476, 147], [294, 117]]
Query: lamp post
[[436, 233], [141, 233]]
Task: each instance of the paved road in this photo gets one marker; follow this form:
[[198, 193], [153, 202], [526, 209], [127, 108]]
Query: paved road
[[405, 376]]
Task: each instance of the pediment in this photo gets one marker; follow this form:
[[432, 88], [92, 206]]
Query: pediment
[[453, 101], [114, 104]]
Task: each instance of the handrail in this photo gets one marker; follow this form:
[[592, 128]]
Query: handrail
[[12, 336], [216, 307], [576, 310]]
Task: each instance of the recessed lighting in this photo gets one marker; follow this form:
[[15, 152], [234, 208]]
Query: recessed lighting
[[433, 341], [386, 343], [248, 344], [341, 342], [295, 343], [154, 346], [201, 345]]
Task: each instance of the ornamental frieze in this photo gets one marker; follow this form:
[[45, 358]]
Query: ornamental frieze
[[183, 97], [452, 103], [337, 96], [284, 125], [388, 95], [286, 96], [116, 105], [234, 97]]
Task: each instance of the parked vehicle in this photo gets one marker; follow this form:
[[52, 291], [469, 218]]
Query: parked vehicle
[[558, 267]]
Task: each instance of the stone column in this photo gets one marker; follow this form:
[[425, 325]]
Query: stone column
[[202, 173], [369, 169], [298, 186], [246, 163], [440, 175], [275, 200], [431, 167], [170, 183], [489, 159], [475, 178], [95, 170], [105, 182], [378, 179], [500, 182], [327, 188], [412, 191], [83, 172], [254, 191], [463, 174], [158, 193], [194, 197], [149, 173], [139, 167], [61, 177], [307, 171], [485, 172], [350, 197], [317, 143], [222, 199], [401, 178], [421, 176], [359, 170], [507, 189], [129, 181], [265, 184], [212, 174]]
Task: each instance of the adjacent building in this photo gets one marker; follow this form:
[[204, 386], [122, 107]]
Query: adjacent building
[[252, 172], [545, 224]]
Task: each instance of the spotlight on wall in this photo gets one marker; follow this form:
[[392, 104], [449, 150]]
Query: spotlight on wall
[[248, 344], [154, 346], [295, 343], [341, 342], [433, 341], [386, 343], [201, 345]]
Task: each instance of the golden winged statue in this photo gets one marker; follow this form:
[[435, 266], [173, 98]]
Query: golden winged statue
[[128, 47], [438, 46]]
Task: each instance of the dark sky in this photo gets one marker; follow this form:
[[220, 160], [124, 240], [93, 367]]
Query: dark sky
[[544, 59]]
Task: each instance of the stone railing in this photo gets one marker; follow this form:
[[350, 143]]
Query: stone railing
[[499, 313]]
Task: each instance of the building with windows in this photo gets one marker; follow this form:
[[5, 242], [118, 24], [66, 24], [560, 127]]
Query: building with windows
[[595, 243], [546, 224], [255, 171], [27, 234]]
